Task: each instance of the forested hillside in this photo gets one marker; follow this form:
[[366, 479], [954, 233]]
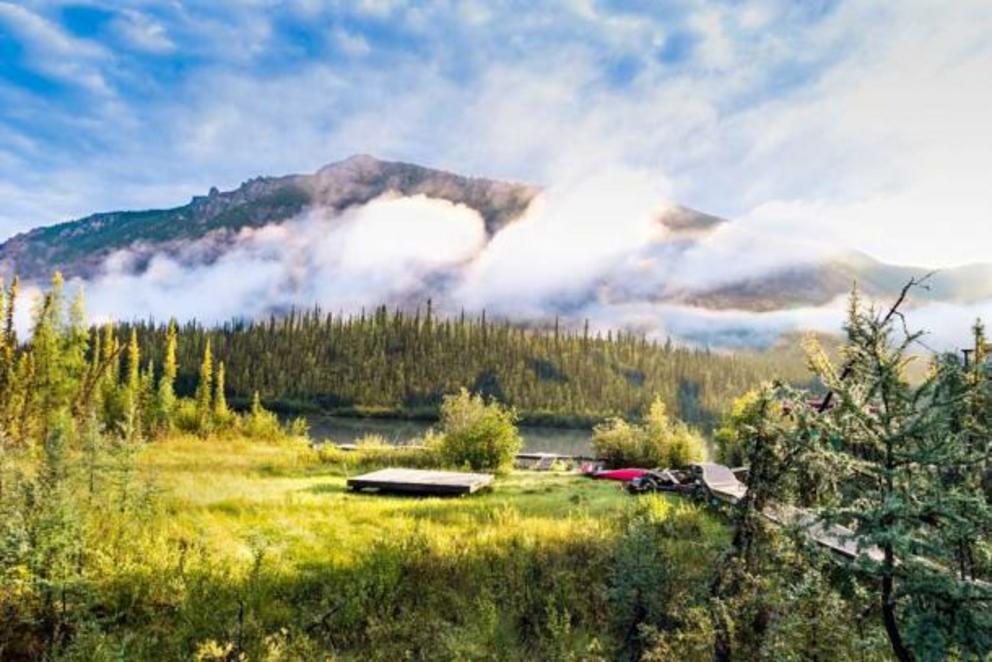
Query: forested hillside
[[395, 363]]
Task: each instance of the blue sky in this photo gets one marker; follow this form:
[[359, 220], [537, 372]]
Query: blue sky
[[864, 122]]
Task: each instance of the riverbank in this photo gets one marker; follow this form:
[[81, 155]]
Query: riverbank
[[348, 430], [536, 419]]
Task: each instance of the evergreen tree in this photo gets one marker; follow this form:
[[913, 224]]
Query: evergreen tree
[[113, 406], [204, 389], [910, 486], [166, 396], [132, 385], [775, 435], [132, 389], [58, 347], [221, 411], [8, 348]]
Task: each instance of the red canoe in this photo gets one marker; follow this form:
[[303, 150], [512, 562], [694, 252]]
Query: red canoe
[[619, 474]]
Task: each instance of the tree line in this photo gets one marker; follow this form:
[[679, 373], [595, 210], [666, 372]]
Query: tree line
[[69, 374], [392, 362]]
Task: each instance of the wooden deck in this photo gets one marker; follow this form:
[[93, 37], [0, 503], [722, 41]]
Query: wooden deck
[[416, 481], [836, 538], [723, 485]]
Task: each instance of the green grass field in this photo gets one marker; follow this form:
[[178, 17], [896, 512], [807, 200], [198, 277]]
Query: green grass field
[[236, 495], [226, 550]]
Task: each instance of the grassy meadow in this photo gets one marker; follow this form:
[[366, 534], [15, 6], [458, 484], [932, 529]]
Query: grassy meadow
[[230, 549]]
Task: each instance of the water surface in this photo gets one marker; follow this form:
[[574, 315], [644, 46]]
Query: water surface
[[347, 430]]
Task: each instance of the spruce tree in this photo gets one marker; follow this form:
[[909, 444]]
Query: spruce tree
[[204, 389], [909, 488], [8, 344], [221, 411], [132, 388], [133, 375], [166, 401]]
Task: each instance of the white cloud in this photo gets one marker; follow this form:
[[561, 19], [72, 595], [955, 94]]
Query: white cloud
[[572, 236], [54, 52], [352, 44], [144, 32], [374, 254], [889, 151]]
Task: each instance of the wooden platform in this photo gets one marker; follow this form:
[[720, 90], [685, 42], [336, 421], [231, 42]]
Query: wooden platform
[[415, 481]]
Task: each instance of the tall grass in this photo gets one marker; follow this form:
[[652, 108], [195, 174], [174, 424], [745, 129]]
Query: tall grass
[[258, 550]]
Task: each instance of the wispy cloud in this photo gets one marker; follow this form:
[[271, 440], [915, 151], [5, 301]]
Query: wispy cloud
[[144, 32], [859, 123], [54, 52]]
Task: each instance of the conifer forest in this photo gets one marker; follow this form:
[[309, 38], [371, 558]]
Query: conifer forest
[[394, 363]]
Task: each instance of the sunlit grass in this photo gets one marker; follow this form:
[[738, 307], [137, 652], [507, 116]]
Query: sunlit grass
[[243, 541], [232, 495]]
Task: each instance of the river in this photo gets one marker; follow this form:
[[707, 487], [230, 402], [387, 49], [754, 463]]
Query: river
[[346, 430]]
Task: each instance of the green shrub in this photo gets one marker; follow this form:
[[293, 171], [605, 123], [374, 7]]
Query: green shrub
[[661, 569], [186, 418], [733, 426], [482, 436], [658, 442], [260, 424]]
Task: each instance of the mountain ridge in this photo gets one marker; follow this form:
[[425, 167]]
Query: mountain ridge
[[80, 248]]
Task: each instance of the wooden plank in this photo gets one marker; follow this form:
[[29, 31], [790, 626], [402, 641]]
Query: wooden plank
[[417, 481], [838, 539]]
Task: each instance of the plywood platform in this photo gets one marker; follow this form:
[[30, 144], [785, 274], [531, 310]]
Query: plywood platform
[[416, 481]]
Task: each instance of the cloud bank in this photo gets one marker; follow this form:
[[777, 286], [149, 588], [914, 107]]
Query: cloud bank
[[591, 251], [818, 126], [383, 252], [859, 121]]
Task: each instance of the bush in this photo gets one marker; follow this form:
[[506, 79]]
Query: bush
[[261, 424], [659, 442], [729, 437], [663, 557], [257, 424], [185, 417], [479, 435]]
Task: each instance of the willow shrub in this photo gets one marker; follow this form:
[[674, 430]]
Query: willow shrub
[[659, 442], [478, 435]]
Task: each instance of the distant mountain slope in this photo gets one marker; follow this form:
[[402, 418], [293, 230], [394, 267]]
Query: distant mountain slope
[[818, 284], [78, 248], [81, 248]]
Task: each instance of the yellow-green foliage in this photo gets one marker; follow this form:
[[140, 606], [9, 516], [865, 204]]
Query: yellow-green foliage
[[659, 442], [477, 434], [729, 435]]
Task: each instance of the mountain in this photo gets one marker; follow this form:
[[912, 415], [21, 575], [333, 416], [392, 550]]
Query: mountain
[[81, 248], [820, 283]]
